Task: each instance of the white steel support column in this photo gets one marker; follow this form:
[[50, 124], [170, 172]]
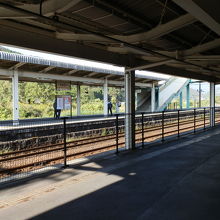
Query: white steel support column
[[181, 100], [153, 98], [130, 109], [212, 104], [105, 96], [78, 100], [188, 96], [15, 96]]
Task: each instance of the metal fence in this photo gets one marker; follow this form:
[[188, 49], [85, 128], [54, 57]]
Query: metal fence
[[35, 146]]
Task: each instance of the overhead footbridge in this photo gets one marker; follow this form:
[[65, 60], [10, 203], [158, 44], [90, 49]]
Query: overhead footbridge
[[171, 89], [159, 98]]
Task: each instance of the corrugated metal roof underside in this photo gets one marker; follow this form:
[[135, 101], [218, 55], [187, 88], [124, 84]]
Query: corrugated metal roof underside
[[39, 65]]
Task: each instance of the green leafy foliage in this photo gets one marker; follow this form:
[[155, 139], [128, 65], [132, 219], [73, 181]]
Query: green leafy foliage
[[5, 100], [36, 99]]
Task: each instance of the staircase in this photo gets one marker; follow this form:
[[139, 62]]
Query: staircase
[[170, 90]]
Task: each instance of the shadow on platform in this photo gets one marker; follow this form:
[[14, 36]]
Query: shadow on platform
[[180, 183]]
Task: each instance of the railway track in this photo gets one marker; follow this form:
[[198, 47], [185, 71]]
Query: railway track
[[32, 159]]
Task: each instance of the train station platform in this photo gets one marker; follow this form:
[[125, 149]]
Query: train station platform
[[38, 121], [175, 180]]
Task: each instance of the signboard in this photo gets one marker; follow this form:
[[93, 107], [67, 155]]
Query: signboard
[[63, 85], [64, 102], [67, 101], [59, 103]]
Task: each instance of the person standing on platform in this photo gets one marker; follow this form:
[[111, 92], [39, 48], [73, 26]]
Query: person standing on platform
[[57, 111], [110, 107], [55, 108]]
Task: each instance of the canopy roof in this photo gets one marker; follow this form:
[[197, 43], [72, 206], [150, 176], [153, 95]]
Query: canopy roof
[[177, 37], [39, 69]]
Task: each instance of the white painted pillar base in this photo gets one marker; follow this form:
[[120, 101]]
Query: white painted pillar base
[[105, 96], [15, 97], [78, 100], [153, 98], [130, 110], [212, 104]]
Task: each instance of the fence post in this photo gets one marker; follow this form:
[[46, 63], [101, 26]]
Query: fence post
[[178, 115], [142, 128], [162, 126], [214, 115], [204, 118], [194, 120], [64, 143], [116, 133]]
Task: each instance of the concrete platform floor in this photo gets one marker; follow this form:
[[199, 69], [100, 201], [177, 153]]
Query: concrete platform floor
[[179, 180]]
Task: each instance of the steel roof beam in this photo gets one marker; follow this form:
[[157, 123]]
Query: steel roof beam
[[8, 14], [189, 73], [120, 12], [50, 7], [16, 66], [26, 39], [160, 30], [196, 11], [204, 57], [42, 76], [202, 48], [193, 53], [148, 66], [92, 74], [45, 70], [134, 18], [71, 72], [156, 32], [81, 37], [197, 49], [134, 48]]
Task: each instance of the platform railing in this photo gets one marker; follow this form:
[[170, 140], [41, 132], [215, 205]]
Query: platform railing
[[41, 147], [174, 124]]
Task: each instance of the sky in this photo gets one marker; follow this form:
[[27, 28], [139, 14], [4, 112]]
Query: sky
[[71, 60], [204, 87]]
